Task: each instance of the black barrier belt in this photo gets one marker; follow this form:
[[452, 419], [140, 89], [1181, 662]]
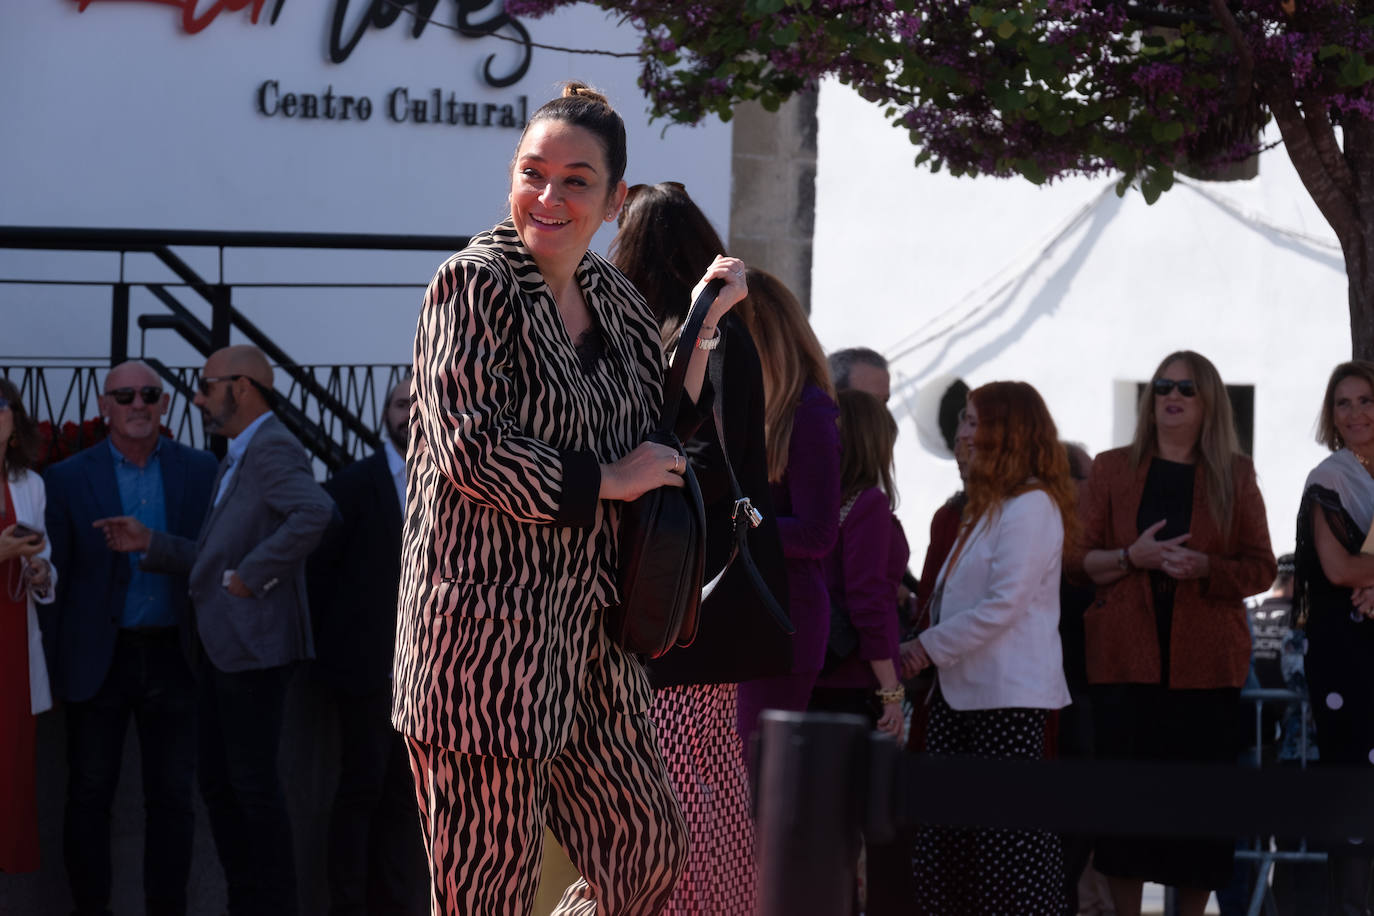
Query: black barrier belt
[[1118, 798], [823, 776]]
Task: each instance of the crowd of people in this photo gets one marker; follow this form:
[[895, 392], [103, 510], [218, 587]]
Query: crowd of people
[[1063, 606]]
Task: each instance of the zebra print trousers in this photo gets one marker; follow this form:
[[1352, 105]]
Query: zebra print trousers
[[605, 797]]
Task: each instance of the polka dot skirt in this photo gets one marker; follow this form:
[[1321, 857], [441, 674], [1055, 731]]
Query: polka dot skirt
[[967, 872], [705, 760]]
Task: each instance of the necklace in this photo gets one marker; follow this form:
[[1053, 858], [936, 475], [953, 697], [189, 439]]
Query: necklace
[[1362, 460]]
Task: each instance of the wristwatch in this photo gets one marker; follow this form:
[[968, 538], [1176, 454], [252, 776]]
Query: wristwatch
[[1123, 559], [709, 343]]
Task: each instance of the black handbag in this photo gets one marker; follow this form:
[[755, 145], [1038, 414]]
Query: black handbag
[[662, 534], [744, 633]]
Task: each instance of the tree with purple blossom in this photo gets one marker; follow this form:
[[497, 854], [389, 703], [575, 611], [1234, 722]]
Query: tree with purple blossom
[[1048, 88]]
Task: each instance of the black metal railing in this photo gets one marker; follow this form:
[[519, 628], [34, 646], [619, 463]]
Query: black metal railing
[[318, 402], [63, 398]]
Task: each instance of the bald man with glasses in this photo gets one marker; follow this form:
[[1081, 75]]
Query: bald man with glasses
[[250, 619], [113, 641]]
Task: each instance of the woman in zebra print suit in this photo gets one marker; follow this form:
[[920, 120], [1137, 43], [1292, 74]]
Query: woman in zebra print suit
[[538, 373]]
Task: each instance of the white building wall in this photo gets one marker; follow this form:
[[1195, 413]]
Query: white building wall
[[115, 116], [1076, 291]]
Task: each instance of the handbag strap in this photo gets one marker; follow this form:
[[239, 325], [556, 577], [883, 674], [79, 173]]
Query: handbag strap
[[744, 516], [682, 355]]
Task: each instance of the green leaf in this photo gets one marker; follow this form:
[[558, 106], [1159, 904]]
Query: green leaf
[[1006, 29], [922, 157], [1123, 185], [1166, 131], [1155, 184], [1031, 170], [786, 36]]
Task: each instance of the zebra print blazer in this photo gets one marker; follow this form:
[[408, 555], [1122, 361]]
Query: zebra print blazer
[[508, 555]]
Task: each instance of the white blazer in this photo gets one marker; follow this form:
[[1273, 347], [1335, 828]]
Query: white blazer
[[996, 639], [30, 503]]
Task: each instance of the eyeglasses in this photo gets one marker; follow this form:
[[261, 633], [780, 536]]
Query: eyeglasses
[[150, 394], [206, 381], [1185, 386]]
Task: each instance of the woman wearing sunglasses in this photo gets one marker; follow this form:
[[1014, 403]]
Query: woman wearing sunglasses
[[1175, 537], [26, 577]]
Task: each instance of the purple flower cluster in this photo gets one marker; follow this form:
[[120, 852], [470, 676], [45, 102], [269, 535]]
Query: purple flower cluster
[[1043, 88]]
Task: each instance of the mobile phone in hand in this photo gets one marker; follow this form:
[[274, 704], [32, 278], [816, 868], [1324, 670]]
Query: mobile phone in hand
[[24, 531]]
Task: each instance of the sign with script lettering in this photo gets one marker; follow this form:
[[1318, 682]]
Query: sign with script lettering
[[385, 116]]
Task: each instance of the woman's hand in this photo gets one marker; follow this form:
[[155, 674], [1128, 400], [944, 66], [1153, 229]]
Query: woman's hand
[[38, 574], [648, 467], [12, 545], [125, 534], [1363, 600], [890, 722], [731, 270], [1184, 563], [914, 658], [1148, 553]]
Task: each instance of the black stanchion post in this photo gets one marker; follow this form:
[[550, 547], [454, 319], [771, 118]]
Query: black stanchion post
[[811, 794]]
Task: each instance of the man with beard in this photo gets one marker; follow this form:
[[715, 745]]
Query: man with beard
[[115, 653], [250, 620], [354, 576]]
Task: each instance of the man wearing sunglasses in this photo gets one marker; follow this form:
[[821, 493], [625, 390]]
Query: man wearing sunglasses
[[115, 650], [250, 619]]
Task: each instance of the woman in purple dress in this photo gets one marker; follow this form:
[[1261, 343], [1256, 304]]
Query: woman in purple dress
[[803, 445]]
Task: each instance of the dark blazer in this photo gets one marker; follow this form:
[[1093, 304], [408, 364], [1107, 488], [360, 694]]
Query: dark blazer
[[272, 515], [1210, 637], [509, 556], [94, 579], [353, 577], [736, 639]]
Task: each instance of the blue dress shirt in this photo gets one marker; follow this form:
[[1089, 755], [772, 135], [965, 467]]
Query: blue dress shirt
[[148, 602]]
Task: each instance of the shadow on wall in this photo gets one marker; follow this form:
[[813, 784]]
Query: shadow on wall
[[1045, 301], [309, 770]]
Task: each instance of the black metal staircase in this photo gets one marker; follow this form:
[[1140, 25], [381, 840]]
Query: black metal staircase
[[326, 415]]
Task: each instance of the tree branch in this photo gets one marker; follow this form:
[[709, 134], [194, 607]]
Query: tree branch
[[1316, 115], [1245, 75], [1335, 204]]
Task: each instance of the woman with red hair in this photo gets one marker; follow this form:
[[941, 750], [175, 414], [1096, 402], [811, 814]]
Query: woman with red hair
[[994, 641]]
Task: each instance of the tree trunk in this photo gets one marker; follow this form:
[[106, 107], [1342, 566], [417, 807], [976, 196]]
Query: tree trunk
[[1340, 177], [1361, 297], [1358, 136]]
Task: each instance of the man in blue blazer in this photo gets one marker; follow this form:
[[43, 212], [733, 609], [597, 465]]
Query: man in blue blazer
[[113, 641], [251, 620]]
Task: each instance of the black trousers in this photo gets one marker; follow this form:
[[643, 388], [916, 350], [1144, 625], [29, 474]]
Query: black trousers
[[149, 682], [374, 825], [240, 736]]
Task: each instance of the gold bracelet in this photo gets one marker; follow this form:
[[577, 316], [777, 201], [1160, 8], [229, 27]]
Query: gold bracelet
[[890, 694]]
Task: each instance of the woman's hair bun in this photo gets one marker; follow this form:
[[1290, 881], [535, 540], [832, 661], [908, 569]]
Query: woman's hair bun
[[576, 90]]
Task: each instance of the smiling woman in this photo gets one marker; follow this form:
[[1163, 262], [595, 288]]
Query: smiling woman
[[1334, 591], [538, 375]]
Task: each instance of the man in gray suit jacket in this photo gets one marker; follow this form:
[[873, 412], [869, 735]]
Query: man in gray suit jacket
[[250, 619]]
